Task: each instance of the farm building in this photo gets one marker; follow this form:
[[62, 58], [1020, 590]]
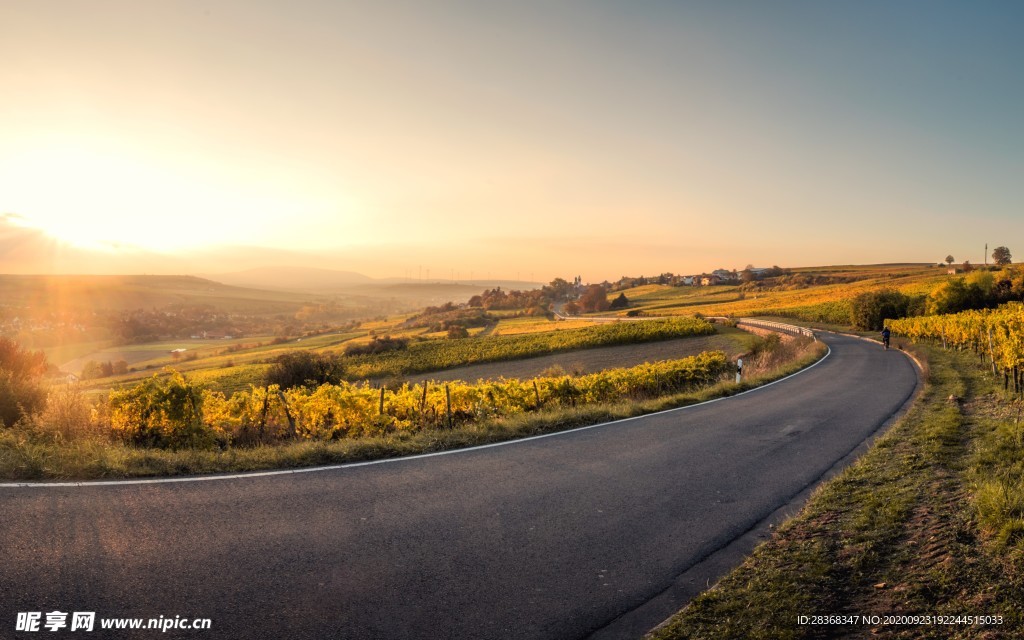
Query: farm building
[[724, 275]]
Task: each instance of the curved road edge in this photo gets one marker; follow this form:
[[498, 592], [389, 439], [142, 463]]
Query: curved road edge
[[350, 465], [509, 541], [709, 570]]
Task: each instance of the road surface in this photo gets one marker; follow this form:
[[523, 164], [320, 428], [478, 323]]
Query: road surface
[[551, 538]]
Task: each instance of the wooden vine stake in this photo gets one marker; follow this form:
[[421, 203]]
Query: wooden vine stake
[[991, 351], [423, 405], [448, 404], [263, 414], [288, 413]]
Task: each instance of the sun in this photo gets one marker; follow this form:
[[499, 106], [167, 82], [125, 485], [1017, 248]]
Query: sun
[[100, 198]]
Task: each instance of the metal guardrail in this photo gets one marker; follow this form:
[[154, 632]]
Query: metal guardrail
[[777, 326], [764, 324]]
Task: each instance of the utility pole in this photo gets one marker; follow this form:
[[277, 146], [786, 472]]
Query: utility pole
[[986, 254]]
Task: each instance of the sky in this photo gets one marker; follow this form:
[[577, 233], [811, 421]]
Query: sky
[[589, 138]]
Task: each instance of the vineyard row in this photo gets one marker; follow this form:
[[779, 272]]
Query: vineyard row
[[995, 335], [171, 412], [435, 355]]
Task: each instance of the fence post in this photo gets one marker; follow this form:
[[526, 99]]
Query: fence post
[[991, 351], [423, 406], [448, 404], [263, 415]]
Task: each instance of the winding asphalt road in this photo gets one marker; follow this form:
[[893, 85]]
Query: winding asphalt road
[[556, 537]]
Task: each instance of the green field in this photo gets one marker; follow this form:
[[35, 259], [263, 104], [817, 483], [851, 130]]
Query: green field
[[793, 299], [238, 371], [435, 355], [222, 370]]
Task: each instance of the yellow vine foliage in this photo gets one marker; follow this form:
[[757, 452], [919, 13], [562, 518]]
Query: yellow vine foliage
[[997, 333], [348, 410]]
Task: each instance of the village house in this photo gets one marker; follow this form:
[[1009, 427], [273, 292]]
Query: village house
[[724, 275]]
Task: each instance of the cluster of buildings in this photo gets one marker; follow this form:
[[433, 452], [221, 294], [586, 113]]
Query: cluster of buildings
[[722, 276]]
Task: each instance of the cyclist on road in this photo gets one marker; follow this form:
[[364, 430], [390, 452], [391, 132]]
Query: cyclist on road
[[885, 337]]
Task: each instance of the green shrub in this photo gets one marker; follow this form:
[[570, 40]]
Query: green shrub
[[870, 310], [305, 369], [21, 389], [457, 331]]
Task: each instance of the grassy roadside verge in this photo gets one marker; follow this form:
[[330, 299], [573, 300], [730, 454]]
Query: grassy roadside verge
[[927, 523], [24, 456]]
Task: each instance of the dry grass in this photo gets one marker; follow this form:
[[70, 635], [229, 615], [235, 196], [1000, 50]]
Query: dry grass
[[916, 527]]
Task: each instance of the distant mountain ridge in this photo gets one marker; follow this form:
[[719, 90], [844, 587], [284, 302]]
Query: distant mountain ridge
[[137, 291], [291, 278], [331, 281]]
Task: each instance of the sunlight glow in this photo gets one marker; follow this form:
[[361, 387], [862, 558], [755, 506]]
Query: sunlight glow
[[110, 199]]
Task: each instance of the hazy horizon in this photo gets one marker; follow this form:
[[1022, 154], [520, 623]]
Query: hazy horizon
[[53, 257], [514, 142]]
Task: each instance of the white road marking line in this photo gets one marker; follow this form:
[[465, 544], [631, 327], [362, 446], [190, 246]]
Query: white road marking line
[[350, 465]]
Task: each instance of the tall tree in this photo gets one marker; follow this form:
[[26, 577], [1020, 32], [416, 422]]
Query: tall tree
[[594, 299], [559, 290], [1002, 256], [950, 259]]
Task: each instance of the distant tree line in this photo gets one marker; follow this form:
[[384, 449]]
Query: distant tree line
[[378, 344], [93, 369], [449, 315], [535, 301], [978, 289]]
